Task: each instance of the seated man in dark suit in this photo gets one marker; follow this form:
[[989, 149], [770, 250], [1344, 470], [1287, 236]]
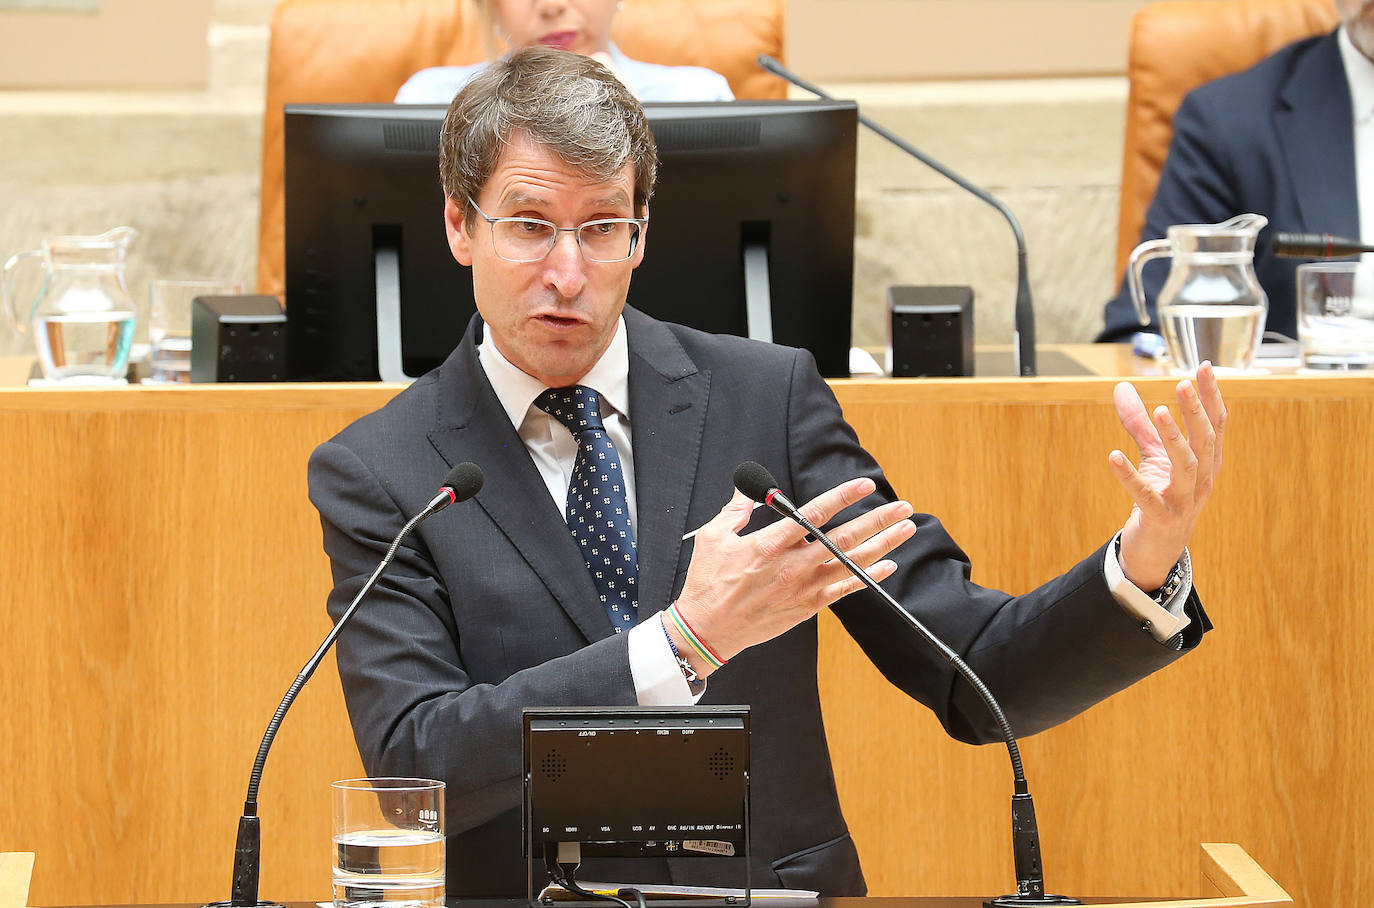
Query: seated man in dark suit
[[607, 436], [1279, 139]]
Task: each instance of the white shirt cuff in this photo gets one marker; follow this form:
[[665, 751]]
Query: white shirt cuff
[[1161, 620], [658, 679]]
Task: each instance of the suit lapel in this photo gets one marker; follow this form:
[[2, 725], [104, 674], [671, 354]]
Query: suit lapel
[[471, 425], [668, 397], [1314, 127]]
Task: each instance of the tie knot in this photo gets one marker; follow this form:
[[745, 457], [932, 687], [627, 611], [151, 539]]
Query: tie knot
[[578, 408]]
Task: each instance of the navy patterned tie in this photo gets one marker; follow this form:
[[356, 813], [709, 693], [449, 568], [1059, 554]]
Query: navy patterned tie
[[598, 512]]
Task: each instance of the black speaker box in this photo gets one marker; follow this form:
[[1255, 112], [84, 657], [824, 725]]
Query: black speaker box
[[237, 339], [931, 331]]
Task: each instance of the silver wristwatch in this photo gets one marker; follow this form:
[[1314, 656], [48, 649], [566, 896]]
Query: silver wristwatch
[[1171, 584]]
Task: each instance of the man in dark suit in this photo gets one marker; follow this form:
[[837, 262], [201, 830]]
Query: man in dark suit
[[1276, 139], [606, 437]]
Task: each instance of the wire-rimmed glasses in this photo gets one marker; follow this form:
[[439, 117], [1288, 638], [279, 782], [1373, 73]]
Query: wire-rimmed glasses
[[525, 240]]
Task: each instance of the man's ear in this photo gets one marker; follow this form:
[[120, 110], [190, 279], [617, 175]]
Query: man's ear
[[455, 226], [643, 236]]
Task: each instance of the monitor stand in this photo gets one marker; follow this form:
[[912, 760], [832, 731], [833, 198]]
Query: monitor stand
[[758, 301], [390, 366]]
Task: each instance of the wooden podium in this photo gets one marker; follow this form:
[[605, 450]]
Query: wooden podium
[[1230, 879], [16, 869], [1238, 880], [161, 582]]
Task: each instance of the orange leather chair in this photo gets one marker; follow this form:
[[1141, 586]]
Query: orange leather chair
[[360, 51], [1175, 46]]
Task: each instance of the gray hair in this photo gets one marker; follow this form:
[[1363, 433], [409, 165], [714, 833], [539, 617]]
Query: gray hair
[[566, 102]]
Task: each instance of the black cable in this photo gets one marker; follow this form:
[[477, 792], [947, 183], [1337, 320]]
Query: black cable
[[568, 882], [630, 891]]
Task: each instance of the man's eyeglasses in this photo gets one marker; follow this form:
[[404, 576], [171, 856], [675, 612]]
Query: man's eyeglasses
[[526, 240]]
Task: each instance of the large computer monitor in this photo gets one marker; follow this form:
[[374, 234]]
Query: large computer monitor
[[751, 232]]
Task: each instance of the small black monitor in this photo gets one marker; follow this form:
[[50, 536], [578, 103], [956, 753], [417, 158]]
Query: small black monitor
[[751, 232], [678, 783]]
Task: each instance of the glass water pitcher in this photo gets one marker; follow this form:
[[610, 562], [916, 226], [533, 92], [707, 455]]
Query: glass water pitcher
[[1211, 307], [83, 317]]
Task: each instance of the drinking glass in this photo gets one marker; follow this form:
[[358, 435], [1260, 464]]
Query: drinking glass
[[1336, 315], [388, 843], [169, 325]]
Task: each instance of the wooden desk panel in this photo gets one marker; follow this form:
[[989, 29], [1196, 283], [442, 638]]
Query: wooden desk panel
[[1255, 737], [163, 582]]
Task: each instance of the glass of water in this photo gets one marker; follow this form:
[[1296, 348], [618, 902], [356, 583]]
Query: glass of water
[[1336, 315], [169, 325], [388, 843]]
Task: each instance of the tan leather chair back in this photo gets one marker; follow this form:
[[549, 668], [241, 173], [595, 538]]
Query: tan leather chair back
[[361, 51], [1176, 46]]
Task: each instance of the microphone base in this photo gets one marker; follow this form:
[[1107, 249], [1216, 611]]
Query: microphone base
[[230, 903], [1030, 901]]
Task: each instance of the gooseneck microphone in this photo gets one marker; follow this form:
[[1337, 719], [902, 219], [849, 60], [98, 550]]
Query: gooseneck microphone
[[461, 483], [1025, 312], [1315, 246], [757, 483]]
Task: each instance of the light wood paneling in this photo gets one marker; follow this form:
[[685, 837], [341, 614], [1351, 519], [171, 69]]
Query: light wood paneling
[[162, 583], [1255, 738], [1234, 874], [123, 44], [16, 869], [858, 40]]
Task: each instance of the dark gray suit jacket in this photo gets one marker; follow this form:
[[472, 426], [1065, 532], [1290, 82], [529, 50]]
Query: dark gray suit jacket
[[1277, 140], [489, 608]]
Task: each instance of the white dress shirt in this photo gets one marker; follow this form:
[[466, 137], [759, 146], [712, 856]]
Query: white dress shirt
[[658, 680], [647, 81], [1359, 75]]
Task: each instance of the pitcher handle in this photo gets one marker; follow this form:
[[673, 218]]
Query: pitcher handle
[[1145, 252], [11, 305]]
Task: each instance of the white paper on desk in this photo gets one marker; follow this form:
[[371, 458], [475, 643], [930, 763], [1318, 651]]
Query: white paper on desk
[[773, 896]]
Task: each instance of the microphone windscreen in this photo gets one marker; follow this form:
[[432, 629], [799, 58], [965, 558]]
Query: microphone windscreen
[[754, 480], [1298, 245], [465, 480], [1316, 246]]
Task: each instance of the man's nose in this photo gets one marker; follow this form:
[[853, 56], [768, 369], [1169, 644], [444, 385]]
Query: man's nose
[[564, 267]]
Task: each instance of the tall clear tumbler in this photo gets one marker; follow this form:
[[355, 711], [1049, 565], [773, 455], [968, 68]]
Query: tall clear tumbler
[[169, 325], [388, 843], [1336, 315]]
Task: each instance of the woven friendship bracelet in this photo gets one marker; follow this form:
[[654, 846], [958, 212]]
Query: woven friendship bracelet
[[696, 642], [695, 682], [671, 645]]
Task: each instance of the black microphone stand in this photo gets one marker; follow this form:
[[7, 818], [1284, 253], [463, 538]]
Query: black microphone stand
[[467, 479], [1025, 312], [1025, 833]]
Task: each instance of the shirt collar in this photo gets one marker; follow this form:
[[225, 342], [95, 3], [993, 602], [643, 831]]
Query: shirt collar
[[610, 377], [617, 56], [1359, 74]]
